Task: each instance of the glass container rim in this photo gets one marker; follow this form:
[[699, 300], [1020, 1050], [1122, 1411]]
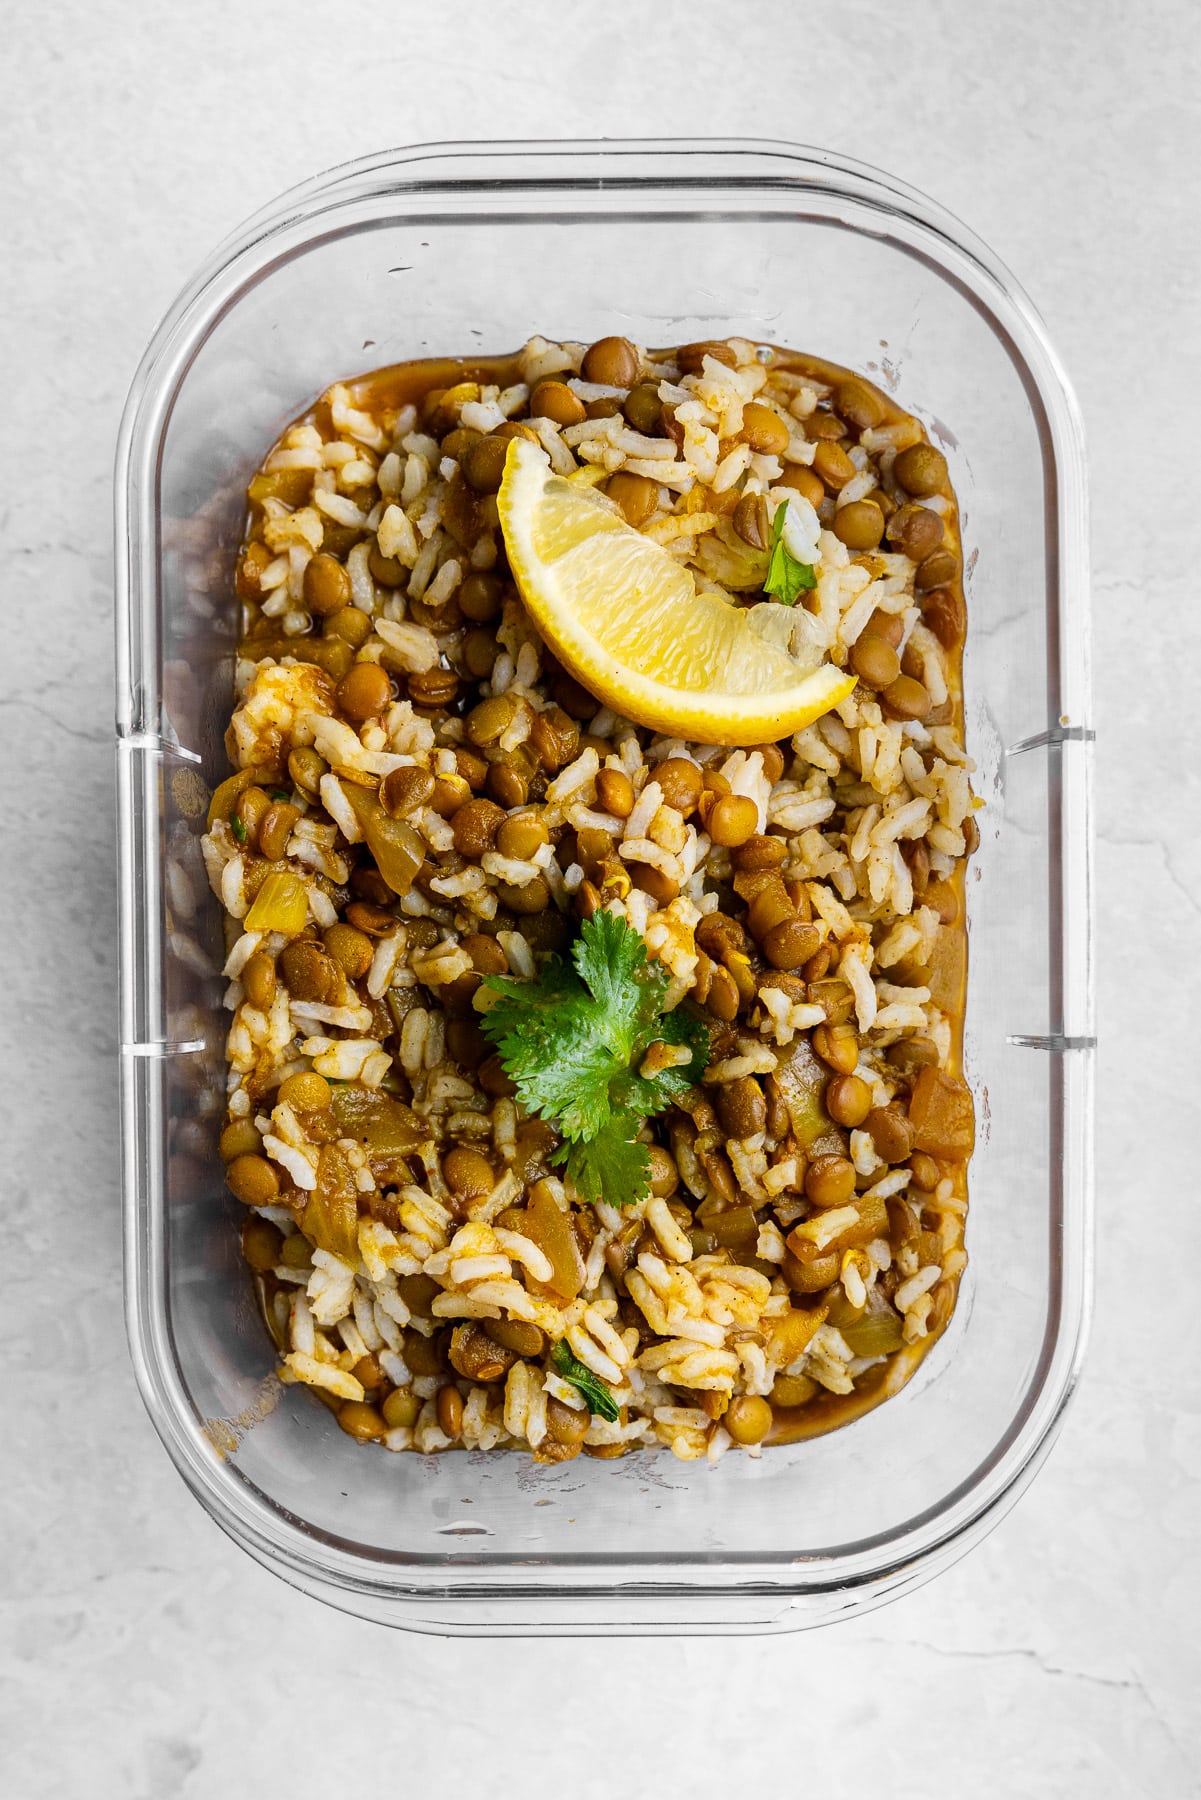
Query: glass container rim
[[603, 170]]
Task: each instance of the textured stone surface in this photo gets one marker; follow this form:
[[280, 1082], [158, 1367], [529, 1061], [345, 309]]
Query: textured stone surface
[[141, 1655]]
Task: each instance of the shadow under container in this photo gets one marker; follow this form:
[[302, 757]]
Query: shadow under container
[[469, 248]]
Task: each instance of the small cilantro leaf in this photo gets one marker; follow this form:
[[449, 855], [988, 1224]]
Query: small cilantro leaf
[[574, 1041], [649, 1095], [786, 577], [238, 829], [612, 1165], [596, 1393], [611, 959]]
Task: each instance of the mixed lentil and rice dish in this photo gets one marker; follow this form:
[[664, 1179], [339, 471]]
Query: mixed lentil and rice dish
[[433, 827]]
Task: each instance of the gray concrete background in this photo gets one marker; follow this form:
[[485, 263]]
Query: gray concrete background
[[140, 1653]]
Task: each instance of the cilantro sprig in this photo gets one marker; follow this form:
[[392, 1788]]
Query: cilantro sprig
[[574, 1041], [786, 577], [596, 1393]]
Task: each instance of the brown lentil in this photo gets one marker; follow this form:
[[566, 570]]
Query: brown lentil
[[833, 465], [857, 403], [368, 1373], [275, 828], [680, 782], [375, 921], [475, 825], [433, 687], [611, 362], [916, 531], [751, 521], [874, 661], [389, 571], [848, 1100], [803, 481], [468, 1174], [478, 653], [764, 430], [664, 1176], [818, 964], [566, 1424], [306, 769], [402, 791], [830, 1181], [925, 1171], [615, 793], [449, 1407], [326, 585], [508, 785], [351, 625], [824, 427], [239, 1138], [251, 809], [859, 525], [891, 1133], [308, 1091], [906, 698], [748, 1419], [944, 612], [889, 626], [247, 578], [350, 948], [921, 470], [450, 792], [425, 1355], [479, 596], [555, 400], [636, 495], [690, 358], [309, 973], [484, 464], [770, 907], [360, 1421], [838, 1046], [936, 570], [532, 897], [522, 837], [774, 761], [643, 408], [400, 1409], [261, 1244], [253, 1180], [490, 718], [741, 1108], [487, 956], [258, 980], [733, 820], [760, 853], [790, 943], [518, 1335]]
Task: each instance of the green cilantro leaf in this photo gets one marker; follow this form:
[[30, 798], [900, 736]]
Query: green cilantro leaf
[[786, 577], [574, 1041], [281, 794], [238, 829], [596, 1393], [611, 1166]]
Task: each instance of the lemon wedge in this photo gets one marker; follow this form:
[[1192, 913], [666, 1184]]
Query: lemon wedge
[[628, 621]]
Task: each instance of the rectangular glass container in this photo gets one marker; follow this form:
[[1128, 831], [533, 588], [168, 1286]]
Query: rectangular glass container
[[462, 248]]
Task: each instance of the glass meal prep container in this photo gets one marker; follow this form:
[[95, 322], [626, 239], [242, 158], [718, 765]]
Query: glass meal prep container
[[456, 249]]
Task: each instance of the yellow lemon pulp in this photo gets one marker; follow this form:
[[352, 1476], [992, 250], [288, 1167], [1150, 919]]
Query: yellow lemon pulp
[[629, 623]]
